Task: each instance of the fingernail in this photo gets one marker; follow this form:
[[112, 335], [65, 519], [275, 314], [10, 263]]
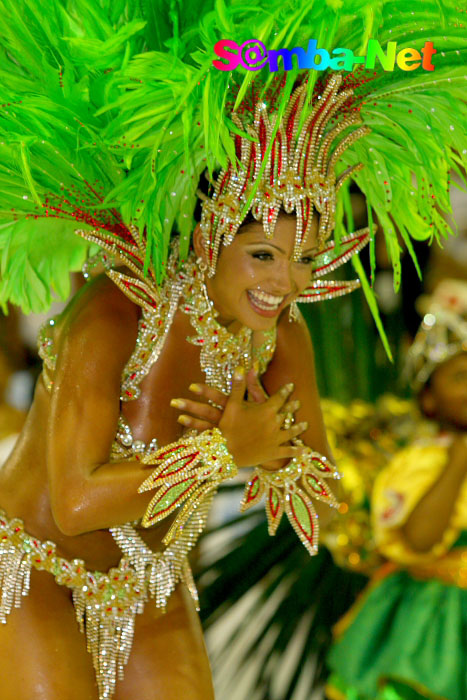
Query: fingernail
[[195, 388], [184, 420], [302, 426], [177, 403], [239, 373], [290, 387], [294, 406]]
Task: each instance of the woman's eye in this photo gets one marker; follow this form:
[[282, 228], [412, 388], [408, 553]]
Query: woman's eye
[[263, 255], [306, 260]]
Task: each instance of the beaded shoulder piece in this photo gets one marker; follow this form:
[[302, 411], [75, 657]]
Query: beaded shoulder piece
[[158, 303]]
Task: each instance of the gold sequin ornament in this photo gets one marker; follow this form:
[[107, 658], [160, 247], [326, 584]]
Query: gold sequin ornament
[[290, 490], [187, 472], [298, 173]]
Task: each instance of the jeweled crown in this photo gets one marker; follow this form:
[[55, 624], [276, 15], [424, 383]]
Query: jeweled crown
[[296, 171]]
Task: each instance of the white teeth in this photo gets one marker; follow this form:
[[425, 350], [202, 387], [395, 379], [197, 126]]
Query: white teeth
[[264, 300]]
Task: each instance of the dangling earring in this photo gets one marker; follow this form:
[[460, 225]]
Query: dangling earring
[[294, 313], [202, 266]]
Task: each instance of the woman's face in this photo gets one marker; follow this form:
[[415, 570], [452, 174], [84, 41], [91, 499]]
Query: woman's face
[[446, 397], [256, 277]]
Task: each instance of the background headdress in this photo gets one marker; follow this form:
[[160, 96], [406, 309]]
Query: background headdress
[[110, 112], [442, 333]]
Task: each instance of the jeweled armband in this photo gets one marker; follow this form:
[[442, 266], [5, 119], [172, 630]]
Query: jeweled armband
[[291, 489], [187, 472]]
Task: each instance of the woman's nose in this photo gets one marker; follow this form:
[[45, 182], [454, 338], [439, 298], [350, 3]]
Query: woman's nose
[[283, 282]]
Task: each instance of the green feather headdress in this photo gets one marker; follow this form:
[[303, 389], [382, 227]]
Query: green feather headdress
[[111, 111]]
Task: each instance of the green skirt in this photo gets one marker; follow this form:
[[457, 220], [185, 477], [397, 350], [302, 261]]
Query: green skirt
[[408, 640]]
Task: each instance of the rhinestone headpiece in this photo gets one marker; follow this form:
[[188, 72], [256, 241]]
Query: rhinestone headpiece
[[298, 174], [442, 334]]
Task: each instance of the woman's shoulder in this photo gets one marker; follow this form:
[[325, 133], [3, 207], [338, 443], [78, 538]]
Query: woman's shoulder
[[102, 298], [293, 334], [99, 314], [292, 329]]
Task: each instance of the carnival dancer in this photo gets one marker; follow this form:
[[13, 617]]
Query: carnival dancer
[[406, 637], [111, 114]]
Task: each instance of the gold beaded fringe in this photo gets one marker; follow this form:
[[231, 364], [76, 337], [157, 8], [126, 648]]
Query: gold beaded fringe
[[106, 604]]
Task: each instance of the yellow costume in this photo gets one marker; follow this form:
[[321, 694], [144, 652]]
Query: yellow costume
[[397, 491], [406, 637]]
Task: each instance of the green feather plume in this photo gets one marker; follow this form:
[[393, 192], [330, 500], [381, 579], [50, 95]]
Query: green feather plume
[[112, 110]]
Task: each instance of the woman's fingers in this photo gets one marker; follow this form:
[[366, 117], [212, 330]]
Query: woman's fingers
[[200, 410], [277, 400], [255, 389], [237, 393], [294, 431], [194, 423], [288, 452], [209, 394], [291, 407]]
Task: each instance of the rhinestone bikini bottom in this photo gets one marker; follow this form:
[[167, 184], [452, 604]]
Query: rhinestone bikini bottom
[[106, 604]]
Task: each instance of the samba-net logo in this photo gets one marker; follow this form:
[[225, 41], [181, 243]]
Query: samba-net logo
[[253, 56]]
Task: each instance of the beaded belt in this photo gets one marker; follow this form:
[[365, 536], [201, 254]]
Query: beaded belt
[[105, 603]]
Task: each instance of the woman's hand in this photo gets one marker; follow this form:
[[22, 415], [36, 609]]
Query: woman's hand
[[206, 415], [242, 421], [253, 432]]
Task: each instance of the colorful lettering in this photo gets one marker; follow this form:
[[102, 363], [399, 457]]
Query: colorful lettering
[[286, 54], [220, 50], [374, 51], [345, 62], [311, 55], [253, 55], [406, 55], [428, 51]]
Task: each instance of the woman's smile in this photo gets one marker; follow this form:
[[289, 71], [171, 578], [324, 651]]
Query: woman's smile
[[258, 277], [263, 303]]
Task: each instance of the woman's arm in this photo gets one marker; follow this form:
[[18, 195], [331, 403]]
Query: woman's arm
[[86, 492], [430, 518], [293, 361]]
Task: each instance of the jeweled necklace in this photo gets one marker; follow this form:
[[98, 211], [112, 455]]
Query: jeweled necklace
[[221, 350]]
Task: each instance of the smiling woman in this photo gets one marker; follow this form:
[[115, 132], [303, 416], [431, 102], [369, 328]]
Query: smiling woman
[[112, 360], [108, 127]]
